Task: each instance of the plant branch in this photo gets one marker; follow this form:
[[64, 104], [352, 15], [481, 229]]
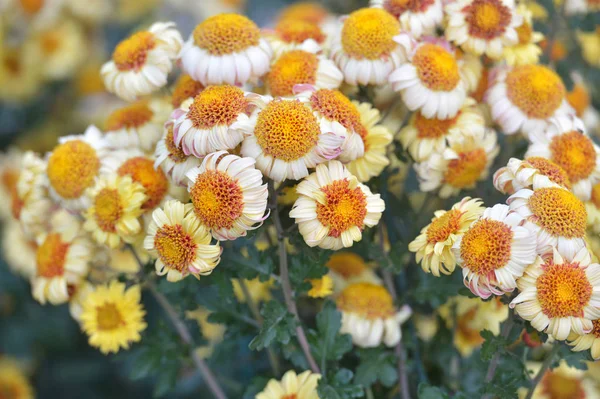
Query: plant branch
[[547, 363], [506, 329]]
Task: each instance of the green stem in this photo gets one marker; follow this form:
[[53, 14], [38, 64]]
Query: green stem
[[547, 363]]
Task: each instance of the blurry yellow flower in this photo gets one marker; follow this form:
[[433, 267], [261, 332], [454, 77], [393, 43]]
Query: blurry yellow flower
[[527, 50], [563, 381], [19, 252], [321, 287], [426, 325], [292, 385], [260, 291], [590, 46], [13, 383], [212, 332], [20, 74], [348, 268]]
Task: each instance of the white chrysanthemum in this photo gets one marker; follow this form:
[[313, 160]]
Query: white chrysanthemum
[[532, 171], [292, 385], [19, 251], [419, 18], [141, 63], [171, 158]]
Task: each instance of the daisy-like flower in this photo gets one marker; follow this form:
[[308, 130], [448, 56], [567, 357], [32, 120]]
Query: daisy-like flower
[[565, 143], [560, 294], [115, 210], [62, 260], [418, 17], [482, 26], [171, 158], [299, 67], [587, 341], [181, 243], [425, 136], [113, 317], [527, 50], [228, 195], [37, 14], [215, 120], [137, 125], [463, 163], [530, 172], [563, 381], [348, 268], [433, 247], [296, 34], [185, 88], [292, 385], [525, 97], [141, 63], [495, 251], [430, 80], [365, 50], [320, 287], [333, 208], [260, 291], [579, 98], [286, 139], [19, 251], [13, 381], [369, 315], [226, 48]]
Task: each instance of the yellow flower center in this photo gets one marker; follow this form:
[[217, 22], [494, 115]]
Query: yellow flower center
[[72, 168], [524, 32], [335, 106], [558, 386], [185, 88], [344, 207], [440, 229], [535, 89], [579, 99], [464, 171], [176, 154], [108, 317], [551, 170], [370, 301], [433, 128], [399, 7], [286, 130], [108, 209], [132, 52], [436, 67], [304, 11], [482, 86], [487, 19], [32, 7], [575, 153], [218, 199], [89, 81], [176, 248], [129, 117], [51, 256], [596, 195], [297, 31], [563, 290], [486, 246], [226, 34], [596, 328], [347, 264], [369, 33], [50, 41], [559, 212], [217, 106], [290, 396], [292, 68], [141, 170]]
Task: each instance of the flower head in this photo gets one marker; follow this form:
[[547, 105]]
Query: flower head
[[172, 159], [527, 50], [418, 17], [185, 88], [320, 287], [13, 382], [533, 171], [348, 268], [292, 385]]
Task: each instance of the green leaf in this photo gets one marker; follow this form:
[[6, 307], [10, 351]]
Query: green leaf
[[326, 343], [144, 364], [340, 386], [166, 381], [278, 325], [427, 391], [492, 345], [376, 364]]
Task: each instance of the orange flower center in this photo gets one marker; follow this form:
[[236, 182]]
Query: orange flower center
[[286, 130], [51, 40], [292, 68], [551, 170], [558, 386], [297, 31], [465, 329], [304, 11], [437, 67], [487, 19], [141, 170], [132, 52], [369, 33], [344, 207], [596, 328], [596, 195], [464, 171], [486, 246], [176, 154], [347, 264], [185, 88], [398, 7], [440, 229], [524, 33], [217, 106], [226, 34], [290, 396], [108, 209], [108, 317], [575, 153], [481, 86], [51, 256], [72, 168], [129, 117], [433, 128], [218, 199], [559, 212], [32, 7], [563, 290], [335, 106], [579, 99], [370, 301], [535, 90], [175, 247]]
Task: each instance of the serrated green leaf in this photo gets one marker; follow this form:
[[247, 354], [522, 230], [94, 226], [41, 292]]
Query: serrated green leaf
[[340, 386], [146, 362], [492, 345], [376, 364], [278, 325], [326, 342], [427, 391]]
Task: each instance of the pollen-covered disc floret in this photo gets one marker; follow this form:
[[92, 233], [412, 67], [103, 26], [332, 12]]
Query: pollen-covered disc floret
[[369, 315], [172, 159], [180, 242], [560, 294], [215, 120], [141, 170], [226, 48], [141, 63], [333, 208], [433, 246], [228, 195], [296, 34], [418, 17], [185, 88], [494, 252], [533, 170], [292, 386]]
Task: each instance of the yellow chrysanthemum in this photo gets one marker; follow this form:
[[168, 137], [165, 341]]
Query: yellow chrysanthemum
[[590, 46], [212, 332], [321, 287], [13, 383], [292, 386]]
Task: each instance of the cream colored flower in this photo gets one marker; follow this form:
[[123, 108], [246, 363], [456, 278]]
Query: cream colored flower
[[19, 251], [347, 268], [527, 50], [292, 385], [171, 158], [533, 171], [419, 18]]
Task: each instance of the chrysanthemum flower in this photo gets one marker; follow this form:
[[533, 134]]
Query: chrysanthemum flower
[[299, 67], [171, 158], [287, 140], [141, 63], [320, 287], [565, 143], [20, 74], [587, 341], [292, 385], [92, 11], [471, 69], [226, 48], [430, 80], [113, 317], [590, 46], [185, 88], [563, 381], [369, 315], [260, 291], [433, 247], [180, 242], [13, 381], [418, 17], [333, 208], [214, 121], [527, 50], [482, 26], [227, 194], [62, 260], [308, 11], [495, 251], [579, 98], [365, 50], [19, 251], [77, 298], [36, 14], [425, 136], [348, 268], [533, 171], [525, 97], [560, 294], [463, 163], [213, 333], [296, 34]]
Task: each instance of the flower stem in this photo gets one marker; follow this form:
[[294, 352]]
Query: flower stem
[[547, 363], [506, 329]]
